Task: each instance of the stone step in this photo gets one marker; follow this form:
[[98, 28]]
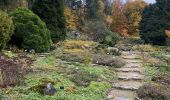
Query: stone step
[[127, 85], [131, 57], [43, 54], [133, 61], [130, 52], [133, 65], [117, 94], [129, 69], [130, 76]]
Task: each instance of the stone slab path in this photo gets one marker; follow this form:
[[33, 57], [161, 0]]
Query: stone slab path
[[130, 78]]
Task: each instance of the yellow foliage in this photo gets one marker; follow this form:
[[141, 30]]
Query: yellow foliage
[[167, 32], [109, 20], [101, 7], [133, 10], [73, 50], [71, 89], [78, 44], [70, 19]]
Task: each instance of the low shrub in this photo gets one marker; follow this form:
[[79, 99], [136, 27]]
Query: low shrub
[[6, 29], [78, 44], [11, 73], [30, 31], [111, 39], [162, 78], [25, 62], [108, 60], [83, 78], [153, 92], [144, 48], [82, 57], [113, 51]]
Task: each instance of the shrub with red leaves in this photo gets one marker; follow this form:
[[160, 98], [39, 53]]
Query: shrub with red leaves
[[10, 72], [153, 92]]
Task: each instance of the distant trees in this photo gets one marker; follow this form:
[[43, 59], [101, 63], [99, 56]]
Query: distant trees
[[6, 29], [52, 12], [30, 31], [71, 19], [133, 11], [119, 20], [11, 5], [155, 20], [92, 9], [97, 30]]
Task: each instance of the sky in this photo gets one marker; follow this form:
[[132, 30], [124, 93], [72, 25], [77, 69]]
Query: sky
[[150, 1]]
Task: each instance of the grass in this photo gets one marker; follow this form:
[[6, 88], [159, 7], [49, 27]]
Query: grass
[[49, 62]]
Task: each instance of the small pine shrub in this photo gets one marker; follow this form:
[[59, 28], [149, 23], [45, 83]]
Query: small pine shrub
[[6, 28], [30, 31]]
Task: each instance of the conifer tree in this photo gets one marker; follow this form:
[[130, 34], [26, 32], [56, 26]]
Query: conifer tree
[[52, 12], [155, 20]]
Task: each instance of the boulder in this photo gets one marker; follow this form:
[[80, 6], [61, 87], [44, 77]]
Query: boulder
[[49, 90]]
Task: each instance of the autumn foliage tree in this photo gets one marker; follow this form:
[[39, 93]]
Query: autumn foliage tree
[[70, 18], [133, 10], [119, 22]]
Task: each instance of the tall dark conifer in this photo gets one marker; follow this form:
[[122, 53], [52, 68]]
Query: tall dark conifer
[[155, 20], [92, 9], [52, 12]]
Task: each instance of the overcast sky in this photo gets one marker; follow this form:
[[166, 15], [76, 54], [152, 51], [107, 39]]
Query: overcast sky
[[150, 1]]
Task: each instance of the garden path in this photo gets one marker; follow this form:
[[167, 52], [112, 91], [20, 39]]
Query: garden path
[[129, 78]]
